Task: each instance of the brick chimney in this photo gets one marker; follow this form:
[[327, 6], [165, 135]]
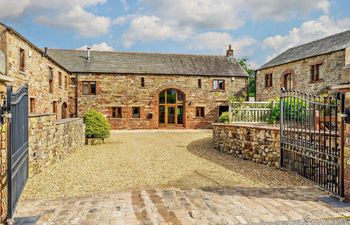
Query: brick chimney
[[229, 52]]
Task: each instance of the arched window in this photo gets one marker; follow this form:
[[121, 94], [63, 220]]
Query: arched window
[[171, 107]]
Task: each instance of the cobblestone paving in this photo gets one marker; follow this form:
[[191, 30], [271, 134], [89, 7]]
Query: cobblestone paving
[[301, 205]]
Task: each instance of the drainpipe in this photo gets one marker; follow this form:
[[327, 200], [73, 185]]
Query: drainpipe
[[256, 75]]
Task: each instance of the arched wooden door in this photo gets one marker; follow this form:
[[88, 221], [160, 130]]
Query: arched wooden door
[[171, 108]]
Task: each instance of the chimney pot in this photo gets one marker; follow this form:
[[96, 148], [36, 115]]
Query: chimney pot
[[45, 50], [229, 52], [88, 54]]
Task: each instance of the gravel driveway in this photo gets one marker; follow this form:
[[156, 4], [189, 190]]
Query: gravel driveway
[[138, 160]]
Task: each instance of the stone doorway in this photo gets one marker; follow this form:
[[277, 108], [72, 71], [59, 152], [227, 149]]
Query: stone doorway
[[171, 108]]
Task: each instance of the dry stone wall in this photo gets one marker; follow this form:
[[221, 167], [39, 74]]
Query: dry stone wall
[[260, 144], [51, 140]]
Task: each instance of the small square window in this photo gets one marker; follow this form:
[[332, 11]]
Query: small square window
[[218, 85], [136, 112], [72, 80], [199, 111], [89, 87], [116, 112]]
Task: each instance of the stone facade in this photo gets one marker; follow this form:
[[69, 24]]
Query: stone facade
[[260, 144], [330, 74], [51, 140], [36, 73], [125, 91]]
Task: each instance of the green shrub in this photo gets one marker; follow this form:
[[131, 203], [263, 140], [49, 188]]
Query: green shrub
[[224, 118], [97, 126], [295, 109]]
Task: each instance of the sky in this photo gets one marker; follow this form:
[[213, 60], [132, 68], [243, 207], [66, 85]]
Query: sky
[[257, 29]]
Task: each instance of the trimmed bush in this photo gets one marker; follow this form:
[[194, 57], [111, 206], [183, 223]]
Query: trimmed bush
[[224, 118], [97, 126]]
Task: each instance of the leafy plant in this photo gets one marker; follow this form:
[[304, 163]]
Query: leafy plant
[[237, 103], [224, 118], [246, 66], [97, 126], [294, 108]]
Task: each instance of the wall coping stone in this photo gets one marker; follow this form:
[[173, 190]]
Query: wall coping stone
[[32, 115], [255, 126], [68, 120]]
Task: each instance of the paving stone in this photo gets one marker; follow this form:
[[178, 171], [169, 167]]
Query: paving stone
[[196, 206]]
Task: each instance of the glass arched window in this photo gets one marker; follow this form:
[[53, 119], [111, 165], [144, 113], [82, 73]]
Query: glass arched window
[[171, 107]]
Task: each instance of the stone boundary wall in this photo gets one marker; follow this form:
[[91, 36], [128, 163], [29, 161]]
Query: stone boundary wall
[[3, 171], [51, 140], [260, 144]]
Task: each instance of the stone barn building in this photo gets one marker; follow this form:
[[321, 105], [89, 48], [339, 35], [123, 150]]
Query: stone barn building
[[313, 67], [151, 90], [134, 90]]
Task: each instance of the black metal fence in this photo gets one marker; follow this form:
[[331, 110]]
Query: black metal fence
[[312, 141], [18, 146]]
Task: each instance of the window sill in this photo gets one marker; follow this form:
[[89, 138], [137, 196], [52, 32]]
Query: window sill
[[135, 118], [115, 118], [88, 95], [218, 90], [22, 72], [318, 81]]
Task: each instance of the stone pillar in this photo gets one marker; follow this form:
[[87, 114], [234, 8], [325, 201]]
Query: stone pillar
[[3, 164], [3, 172]]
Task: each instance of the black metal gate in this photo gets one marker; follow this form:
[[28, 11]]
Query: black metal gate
[[312, 138], [17, 105]]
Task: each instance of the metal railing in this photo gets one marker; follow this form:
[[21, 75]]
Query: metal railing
[[250, 112]]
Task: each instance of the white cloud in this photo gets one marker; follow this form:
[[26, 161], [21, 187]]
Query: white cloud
[[77, 19], [103, 46], [59, 13], [283, 10], [230, 14], [151, 28], [217, 42], [308, 31], [183, 19]]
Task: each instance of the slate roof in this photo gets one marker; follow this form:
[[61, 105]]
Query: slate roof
[[325, 45], [146, 63]]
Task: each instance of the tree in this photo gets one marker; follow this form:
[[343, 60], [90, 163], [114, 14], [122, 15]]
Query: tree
[[246, 66]]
